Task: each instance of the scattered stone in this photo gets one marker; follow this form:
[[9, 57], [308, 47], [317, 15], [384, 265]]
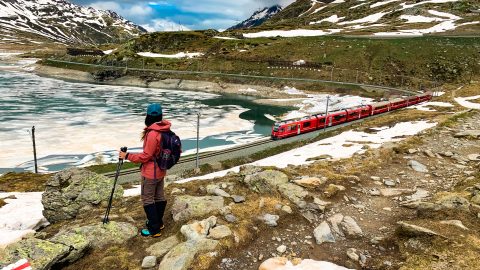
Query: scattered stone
[[392, 192], [476, 199], [387, 209], [350, 228], [323, 234], [376, 240], [454, 201], [418, 195], [287, 209], [417, 166], [389, 183], [161, 248], [468, 133], [216, 166], [220, 232], [321, 157], [230, 218], [474, 157], [322, 205], [374, 192], [78, 244], [149, 262], [294, 193], [447, 154], [176, 191], [335, 221], [352, 254], [456, 223], [182, 255], [281, 249], [73, 191], [413, 230], [308, 215], [412, 151], [215, 190], [333, 190], [198, 229], [266, 181], [238, 199], [429, 153], [270, 220], [187, 207], [311, 182], [375, 178]]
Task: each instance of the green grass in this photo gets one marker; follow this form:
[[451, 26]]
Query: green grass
[[111, 167]]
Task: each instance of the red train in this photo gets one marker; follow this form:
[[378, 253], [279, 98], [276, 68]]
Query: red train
[[293, 127]]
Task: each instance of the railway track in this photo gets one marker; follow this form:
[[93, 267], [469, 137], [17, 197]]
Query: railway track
[[201, 156]]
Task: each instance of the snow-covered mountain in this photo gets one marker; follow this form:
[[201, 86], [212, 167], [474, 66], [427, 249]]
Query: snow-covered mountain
[[34, 21], [258, 17], [379, 17]]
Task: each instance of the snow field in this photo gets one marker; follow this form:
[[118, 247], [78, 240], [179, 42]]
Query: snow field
[[178, 55], [465, 102]]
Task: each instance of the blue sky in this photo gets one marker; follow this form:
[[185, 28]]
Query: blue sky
[[168, 15]]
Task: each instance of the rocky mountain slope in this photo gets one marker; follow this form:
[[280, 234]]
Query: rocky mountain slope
[[258, 17], [39, 21], [384, 17]]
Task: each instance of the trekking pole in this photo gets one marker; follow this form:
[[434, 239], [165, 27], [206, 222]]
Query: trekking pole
[[119, 166]]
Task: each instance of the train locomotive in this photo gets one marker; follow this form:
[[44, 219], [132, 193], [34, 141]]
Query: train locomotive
[[293, 127]]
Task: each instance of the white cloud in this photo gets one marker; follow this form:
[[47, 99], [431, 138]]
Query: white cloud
[[164, 25], [139, 10]]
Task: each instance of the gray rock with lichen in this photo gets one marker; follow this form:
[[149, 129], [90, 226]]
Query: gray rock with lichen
[[70, 191]]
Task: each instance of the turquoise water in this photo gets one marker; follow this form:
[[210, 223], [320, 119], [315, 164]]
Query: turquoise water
[[79, 124]]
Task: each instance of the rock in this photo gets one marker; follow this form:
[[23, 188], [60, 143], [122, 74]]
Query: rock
[[335, 221], [468, 133], [161, 248], [100, 235], [176, 191], [389, 183], [447, 154], [456, 223], [412, 151], [41, 254], [281, 263], [281, 249], [476, 199], [323, 234], [352, 254], [270, 220], [215, 190], [391, 192], [418, 195], [413, 230], [322, 205], [321, 157], [429, 153], [294, 193], [74, 189], [374, 192], [287, 209], [220, 232], [238, 199], [149, 262], [187, 207], [333, 190], [182, 255], [198, 229], [310, 182], [375, 178], [474, 157], [216, 166], [266, 181], [454, 201], [230, 218], [422, 206], [417, 166], [77, 243], [350, 228], [249, 170]]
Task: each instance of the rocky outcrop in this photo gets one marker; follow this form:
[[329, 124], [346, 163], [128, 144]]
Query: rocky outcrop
[[189, 207], [75, 190], [67, 246]]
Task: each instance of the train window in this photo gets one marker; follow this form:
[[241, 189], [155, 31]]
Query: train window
[[339, 117], [353, 113], [307, 124], [275, 129], [322, 120], [290, 128]]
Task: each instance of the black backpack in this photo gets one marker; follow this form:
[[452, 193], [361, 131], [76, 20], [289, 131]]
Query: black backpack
[[170, 150]]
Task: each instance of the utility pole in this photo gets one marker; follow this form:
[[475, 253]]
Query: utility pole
[[326, 115], [34, 150], [198, 135]]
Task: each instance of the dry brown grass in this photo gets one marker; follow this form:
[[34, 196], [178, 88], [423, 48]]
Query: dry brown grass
[[469, 90], [23, 182]]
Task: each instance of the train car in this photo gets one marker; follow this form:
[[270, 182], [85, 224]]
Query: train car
[[357, 113], [294, 127], [398, 103], [412, 100], [380, 107], [425, 97], [336, 118]]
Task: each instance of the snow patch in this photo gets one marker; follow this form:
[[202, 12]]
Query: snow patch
[[464, 101], [20, 216], [368, 19], [382, 3], [292, 33], [178, 55], [332, 19], [425, 106]]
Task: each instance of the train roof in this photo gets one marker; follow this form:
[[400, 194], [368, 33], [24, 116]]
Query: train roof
[[378, 104]]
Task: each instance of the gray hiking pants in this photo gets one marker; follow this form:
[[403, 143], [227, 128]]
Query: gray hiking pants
[[152, 191]]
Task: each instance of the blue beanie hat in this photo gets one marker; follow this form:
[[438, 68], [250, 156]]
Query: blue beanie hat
[[154, 109]]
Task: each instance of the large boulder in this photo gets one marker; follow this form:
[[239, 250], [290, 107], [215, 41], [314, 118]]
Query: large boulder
[[74, 190], [323, 234], [77, 243], [100, 235], [40, 253], [182, 255], [189, 207], [161, 248], [266, 181]]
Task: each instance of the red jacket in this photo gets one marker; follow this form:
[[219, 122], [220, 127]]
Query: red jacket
[[151, 148]]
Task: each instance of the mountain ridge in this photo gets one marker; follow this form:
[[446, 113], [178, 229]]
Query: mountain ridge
[[258, 17]]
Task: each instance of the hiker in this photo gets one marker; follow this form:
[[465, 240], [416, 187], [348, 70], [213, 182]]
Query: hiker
[[153, 195]]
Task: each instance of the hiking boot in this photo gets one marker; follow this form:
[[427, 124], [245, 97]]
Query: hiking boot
[[160, 206], [153, 224]]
